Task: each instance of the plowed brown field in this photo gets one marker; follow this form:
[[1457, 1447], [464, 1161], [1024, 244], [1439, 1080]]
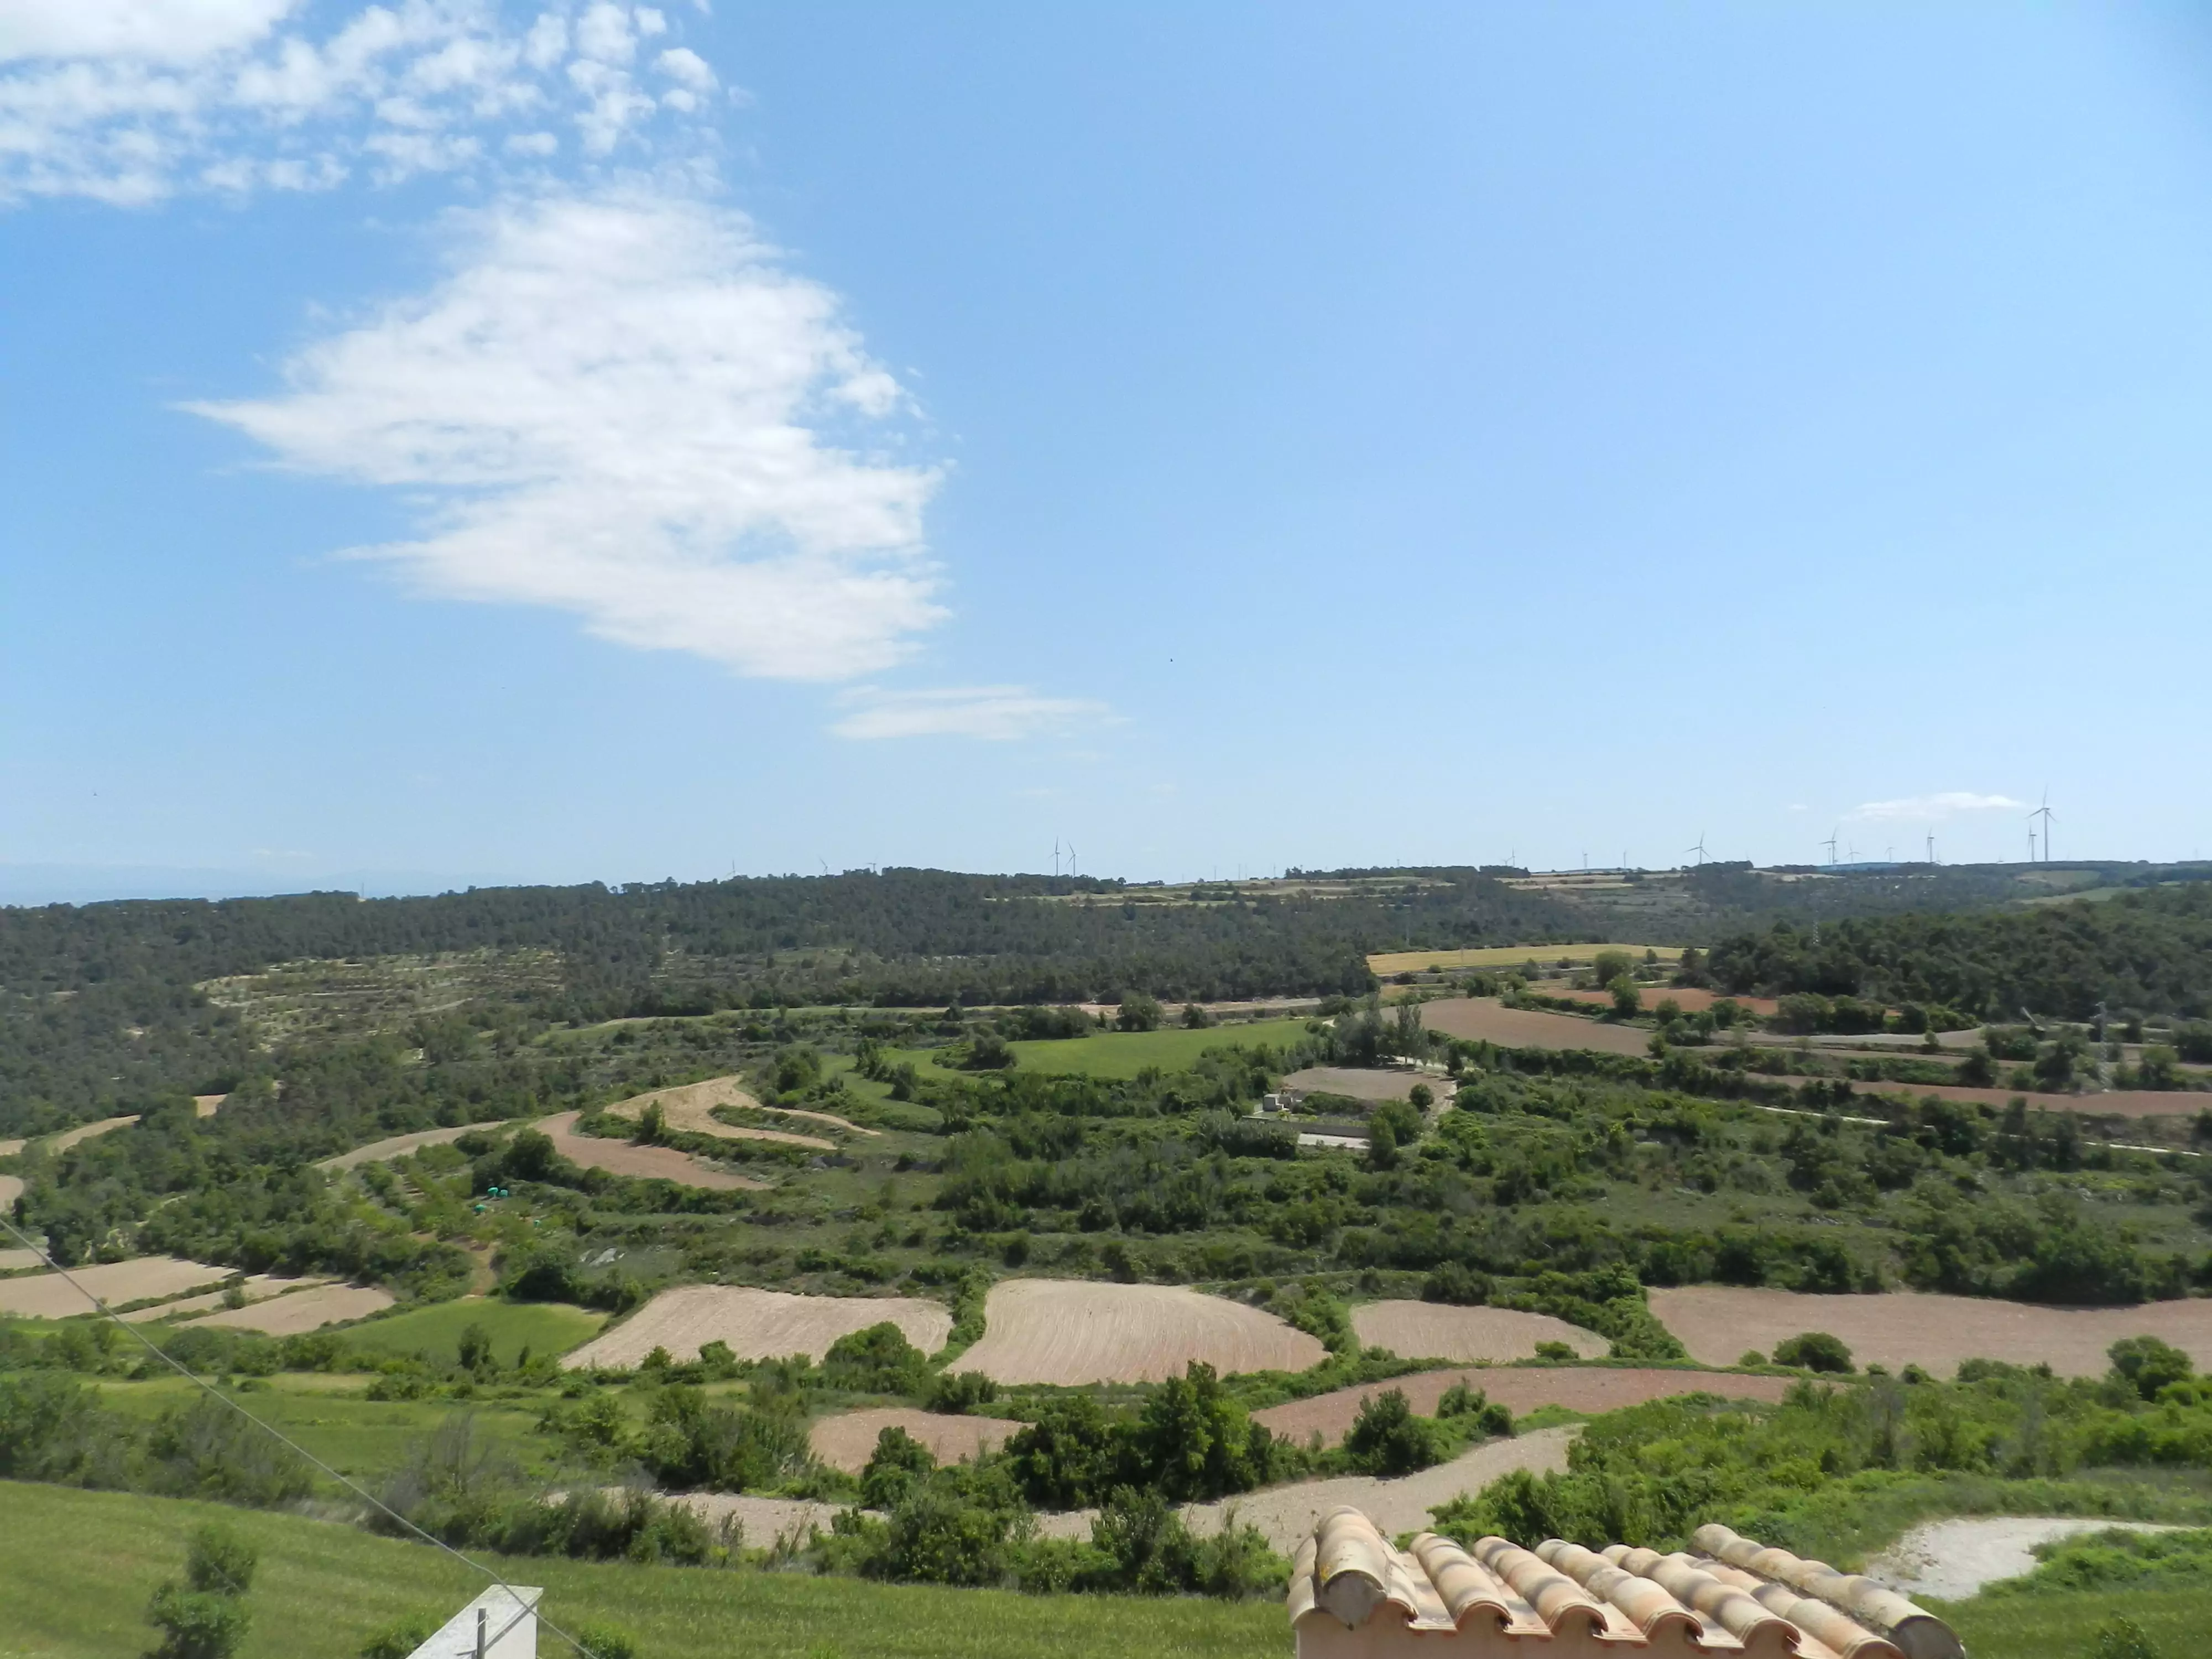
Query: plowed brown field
[[1064, 1331], [302, 1311], [259, 1287], [1485, 1019], [16, 1260], [2116, 1102], [1593, 1389], [690, 1107], [595, 1152], [756, 1324], [11, 1189], [1717, 1323], [50, 1296], [1438, 1330], [1362, 1084], [848, 1441]]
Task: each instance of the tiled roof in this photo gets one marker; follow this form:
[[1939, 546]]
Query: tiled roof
[[1355, 1596]]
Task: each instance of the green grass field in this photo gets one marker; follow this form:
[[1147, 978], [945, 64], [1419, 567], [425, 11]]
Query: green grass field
[[76, 1569], [542, 1327], [1125, 1054], [1384, 963]]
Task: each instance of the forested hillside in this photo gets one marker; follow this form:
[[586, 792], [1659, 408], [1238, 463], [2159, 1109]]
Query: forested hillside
[[2147, 952]]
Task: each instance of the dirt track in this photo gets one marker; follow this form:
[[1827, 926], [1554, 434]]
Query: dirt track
[[621, 1158], [691, 1108], [1717, 1323], [1065, 1331], [48, 1296], [84, 1131], [848, 1441], [1488, 1020], [756, 1324], [1362, 1084], [1438, 1330], [1593, 1389], [1285, 1514], [302, 1310], [378, 1151]]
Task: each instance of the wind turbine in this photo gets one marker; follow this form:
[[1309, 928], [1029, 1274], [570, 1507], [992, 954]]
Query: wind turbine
[[1071, 860], [2045, 812], [1831, 844], [1931, 847], [1699, 849]]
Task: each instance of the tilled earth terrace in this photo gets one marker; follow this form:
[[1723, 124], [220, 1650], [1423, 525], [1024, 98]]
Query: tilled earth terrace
[[757, 1325], [1443, 1330], [621, 1158], [1717, 1323], [1071, 1332], [1522, 1388]]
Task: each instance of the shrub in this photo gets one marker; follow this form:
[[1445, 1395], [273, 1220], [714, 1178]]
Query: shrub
[[897, 1462], [1492, 1417], [1556, 1350], [2121, 1637], [1814, 1351], [1455, 1282], [605, 1642], [954, 1395], [399, 1639], [2146, 1364], [206, 1616], [878, 1360], [1388, 1438]]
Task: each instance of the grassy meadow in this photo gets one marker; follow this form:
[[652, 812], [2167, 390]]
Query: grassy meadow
[[542, 1327], [76, 1569]]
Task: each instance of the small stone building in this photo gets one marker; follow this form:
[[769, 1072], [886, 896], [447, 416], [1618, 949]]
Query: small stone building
[[1353, 1595]]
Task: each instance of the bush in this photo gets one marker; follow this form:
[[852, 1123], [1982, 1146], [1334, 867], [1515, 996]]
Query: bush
[[2121, 1637], [2146, 1364], [1815, 1351], [605, 1642], [1492, 1417], [897, 1462], [400, 1637], [1388, 1438], [1457, 1283], [955, 1394], [878, 1360], [1138, 1013], [206, 1617]]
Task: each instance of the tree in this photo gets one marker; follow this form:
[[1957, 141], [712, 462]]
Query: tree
[[1420, 1096], [1610, 965], [1138, 1013], [1627, 1001], [651, 1126], [1815, 1351], [988, 1052], [898, 1461], [2146, 1364], [206, 1616], [476, 1349], [1195, 1017], [1387, 1438]]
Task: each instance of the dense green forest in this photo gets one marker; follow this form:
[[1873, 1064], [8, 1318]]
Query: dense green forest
[[2141, 952]]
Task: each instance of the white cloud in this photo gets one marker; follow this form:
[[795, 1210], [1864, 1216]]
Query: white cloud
[[131, 100], [1948, 803], [996, 713], [624, 407]]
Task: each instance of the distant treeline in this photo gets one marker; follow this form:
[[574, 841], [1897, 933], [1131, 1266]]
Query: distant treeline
[[2143, 952]]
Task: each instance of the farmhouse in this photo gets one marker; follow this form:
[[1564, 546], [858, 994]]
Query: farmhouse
[[1355, 1596]]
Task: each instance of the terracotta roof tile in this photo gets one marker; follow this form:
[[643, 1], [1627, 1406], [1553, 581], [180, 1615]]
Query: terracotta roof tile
[[1353, 1595]]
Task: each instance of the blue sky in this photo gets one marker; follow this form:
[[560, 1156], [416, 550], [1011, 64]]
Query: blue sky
[[558, 442]]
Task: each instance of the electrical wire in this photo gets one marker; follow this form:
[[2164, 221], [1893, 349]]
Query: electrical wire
[[523, 1608]]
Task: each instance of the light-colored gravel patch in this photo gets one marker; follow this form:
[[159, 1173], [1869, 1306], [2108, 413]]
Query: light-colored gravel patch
[[381, 1152], [50, 1296], [1718, 1322], [1069, 1332], [1951, 1560], [1441, 1330], [1592, 1389], [648, 1163], [757, 1325], [848, 1440], [302, 1310]]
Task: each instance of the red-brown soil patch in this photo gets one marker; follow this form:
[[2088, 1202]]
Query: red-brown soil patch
[[1524, 1388], [621, 1158], [1069, 1332], [1717, 1323], [1485, 1019], [1442, 1330], [756, 1324], [2116, 1103], [848, 1441]]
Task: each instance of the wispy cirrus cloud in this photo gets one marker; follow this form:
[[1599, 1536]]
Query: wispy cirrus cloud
[[1950, 803], [623, 405], [995, 713], [129, 102]]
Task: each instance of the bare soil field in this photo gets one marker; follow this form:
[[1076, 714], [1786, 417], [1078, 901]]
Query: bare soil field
[[691, 1108], [50, 1296], [259, 1287], [1690, 999], [377, 1151], [1486, 1019], [757, 1325], [1384, 963], [1717, 1323], [649, 1162], [1591, 1388], [1362, 1084], [1438, 1330], [1049, 1330], [11, 1189], [2115, 1103], [848, 1441], [14, 1262], [9, 1148], [208, 1105], [84, 1131], [302, 1310]]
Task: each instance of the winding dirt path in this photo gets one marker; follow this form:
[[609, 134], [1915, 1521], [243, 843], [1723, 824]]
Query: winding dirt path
[[690, 1107], [1951, 1560], [379, 1151]]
